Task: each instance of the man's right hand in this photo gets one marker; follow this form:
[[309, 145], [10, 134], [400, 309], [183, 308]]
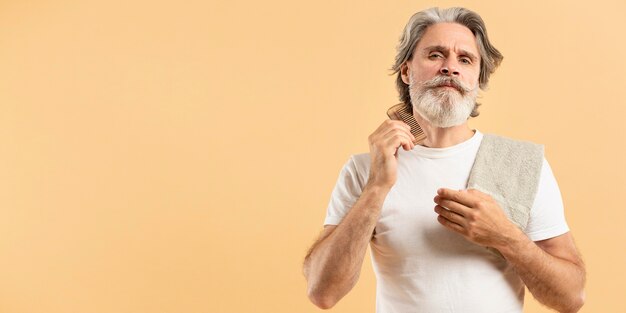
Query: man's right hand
[[384, 143], [333, 264]]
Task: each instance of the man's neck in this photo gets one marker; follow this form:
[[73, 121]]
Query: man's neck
[[437, 137]]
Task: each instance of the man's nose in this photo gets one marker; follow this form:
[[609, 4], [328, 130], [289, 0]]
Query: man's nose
[[449, 68]]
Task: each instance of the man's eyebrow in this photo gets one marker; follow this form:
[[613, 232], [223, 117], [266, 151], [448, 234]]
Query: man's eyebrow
[[436, 48], [446, 50], [469, 54]]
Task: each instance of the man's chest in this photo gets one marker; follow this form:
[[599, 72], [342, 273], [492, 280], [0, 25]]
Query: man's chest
[[408, 224]]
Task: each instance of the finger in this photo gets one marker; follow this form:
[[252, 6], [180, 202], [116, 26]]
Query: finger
[[386, 126], [408, 144], [393, 124], [399, 139], [452, 205], [401, 129], [463, 197], [384, 138], [403, 124], [478, 193], [450, 215], [450, 225], [408, 129]]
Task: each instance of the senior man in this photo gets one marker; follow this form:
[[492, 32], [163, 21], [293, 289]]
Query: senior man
[[460, 221]]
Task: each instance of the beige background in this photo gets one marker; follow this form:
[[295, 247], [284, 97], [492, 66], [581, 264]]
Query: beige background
[[166, 156]]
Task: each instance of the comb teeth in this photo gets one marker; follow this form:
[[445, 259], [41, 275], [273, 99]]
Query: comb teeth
[[401, 112]]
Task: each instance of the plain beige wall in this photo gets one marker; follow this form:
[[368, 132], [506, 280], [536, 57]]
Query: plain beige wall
[[168, 156]]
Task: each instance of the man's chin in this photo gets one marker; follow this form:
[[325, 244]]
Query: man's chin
[[442, 122], [443, 107]]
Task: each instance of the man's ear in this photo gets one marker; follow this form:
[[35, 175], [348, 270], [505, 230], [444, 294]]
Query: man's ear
[[404, 72]]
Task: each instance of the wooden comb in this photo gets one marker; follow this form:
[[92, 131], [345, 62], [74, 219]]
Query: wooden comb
[[400, 112]]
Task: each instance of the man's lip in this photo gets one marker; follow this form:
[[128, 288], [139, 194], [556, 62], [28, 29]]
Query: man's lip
[[447, 85]]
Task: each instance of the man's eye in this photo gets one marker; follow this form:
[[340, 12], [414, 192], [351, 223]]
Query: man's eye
[[466, 61], [435, 55]]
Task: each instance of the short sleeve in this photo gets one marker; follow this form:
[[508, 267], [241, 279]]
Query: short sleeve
[[345, 194], [547, 217]]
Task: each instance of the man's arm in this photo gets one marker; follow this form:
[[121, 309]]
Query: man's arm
[[551, 269], [333, 264]]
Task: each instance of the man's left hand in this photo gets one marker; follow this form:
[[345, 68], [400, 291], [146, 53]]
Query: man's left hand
[[476, 216]]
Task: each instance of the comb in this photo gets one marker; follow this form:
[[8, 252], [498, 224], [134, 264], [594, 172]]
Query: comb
[[400, 112]]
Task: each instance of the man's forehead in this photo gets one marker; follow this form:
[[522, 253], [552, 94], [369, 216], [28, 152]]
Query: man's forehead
[[449, 35]]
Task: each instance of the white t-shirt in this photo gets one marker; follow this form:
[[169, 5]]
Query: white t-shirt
[[423, 267]]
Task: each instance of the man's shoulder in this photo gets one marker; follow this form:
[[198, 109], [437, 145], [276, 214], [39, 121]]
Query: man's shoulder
[[361, 160]]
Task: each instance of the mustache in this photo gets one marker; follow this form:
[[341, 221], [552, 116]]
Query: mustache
[[439, 81]]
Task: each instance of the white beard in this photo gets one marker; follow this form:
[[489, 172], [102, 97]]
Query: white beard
[[442, 107]]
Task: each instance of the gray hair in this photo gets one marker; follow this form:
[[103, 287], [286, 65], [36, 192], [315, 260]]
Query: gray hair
[[490, 57]]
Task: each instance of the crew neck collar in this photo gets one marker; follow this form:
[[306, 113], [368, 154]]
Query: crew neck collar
[[427, 152]]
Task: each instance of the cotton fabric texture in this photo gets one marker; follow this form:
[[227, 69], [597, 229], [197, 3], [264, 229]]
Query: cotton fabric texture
[[421, 266]]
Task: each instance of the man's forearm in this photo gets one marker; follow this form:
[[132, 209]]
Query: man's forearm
[[553, 281], [334, 263]]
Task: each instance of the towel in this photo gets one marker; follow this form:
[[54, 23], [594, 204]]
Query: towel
[[508, 170]]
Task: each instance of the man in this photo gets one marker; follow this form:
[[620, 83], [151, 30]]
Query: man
[[438, 246]]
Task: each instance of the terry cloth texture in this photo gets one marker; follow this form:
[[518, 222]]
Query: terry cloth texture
[[509, 171]]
